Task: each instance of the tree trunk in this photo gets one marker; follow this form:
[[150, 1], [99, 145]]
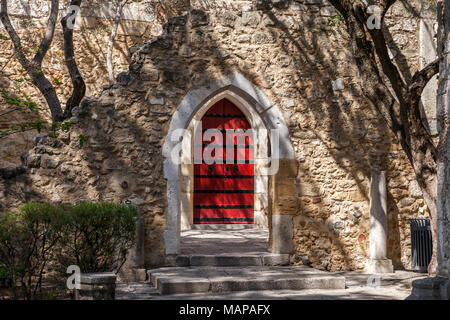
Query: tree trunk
[[79, 87], [33, 67], [49, 93], [401, 112]]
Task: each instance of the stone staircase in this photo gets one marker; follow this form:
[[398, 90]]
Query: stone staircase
[[233, 260], [218, 279]]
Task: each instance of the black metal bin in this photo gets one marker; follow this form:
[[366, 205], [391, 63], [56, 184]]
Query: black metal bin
[[421, 243]]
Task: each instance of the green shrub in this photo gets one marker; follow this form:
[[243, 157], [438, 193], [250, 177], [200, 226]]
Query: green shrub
[[5, 277], [27, 241], [99, 236], [94, 236]]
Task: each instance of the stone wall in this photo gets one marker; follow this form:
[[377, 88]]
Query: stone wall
[[298, 54], [141, 21]]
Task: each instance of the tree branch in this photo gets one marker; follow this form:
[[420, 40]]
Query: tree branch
[[119, 8], [381, 48], [6, 63], [79, 87], [49, 32], [421, 79], [33, 68], [4, 17]]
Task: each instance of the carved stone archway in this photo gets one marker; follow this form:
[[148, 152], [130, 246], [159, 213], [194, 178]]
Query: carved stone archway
[[262, 115]]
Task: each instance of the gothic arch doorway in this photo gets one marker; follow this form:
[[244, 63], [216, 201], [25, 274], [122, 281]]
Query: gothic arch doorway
[[262, 115]]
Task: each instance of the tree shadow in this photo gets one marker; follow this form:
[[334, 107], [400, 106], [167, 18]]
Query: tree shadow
[[339, 137]]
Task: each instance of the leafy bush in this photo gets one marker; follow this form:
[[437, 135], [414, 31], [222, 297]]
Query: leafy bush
[[96, 237], [5, 277], [27, 240], [99, 236]]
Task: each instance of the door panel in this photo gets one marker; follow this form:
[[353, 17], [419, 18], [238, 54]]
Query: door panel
[[224, 192]]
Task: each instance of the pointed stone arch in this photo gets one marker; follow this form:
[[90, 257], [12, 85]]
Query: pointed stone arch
[[261, 114]]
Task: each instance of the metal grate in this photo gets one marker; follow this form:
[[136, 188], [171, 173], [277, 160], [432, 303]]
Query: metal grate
[[421, 243]]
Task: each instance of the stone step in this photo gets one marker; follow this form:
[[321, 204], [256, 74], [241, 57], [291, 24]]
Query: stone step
[[228, 260], [179, 280]]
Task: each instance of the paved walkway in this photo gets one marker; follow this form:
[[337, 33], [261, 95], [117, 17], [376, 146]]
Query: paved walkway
[[224, 242], [396, 286]]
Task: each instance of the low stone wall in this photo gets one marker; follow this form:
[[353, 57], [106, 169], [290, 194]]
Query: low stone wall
[[96, 286]]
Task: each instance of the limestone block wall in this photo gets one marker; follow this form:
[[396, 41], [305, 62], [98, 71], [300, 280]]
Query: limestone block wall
[[299, 57], [141, 21]]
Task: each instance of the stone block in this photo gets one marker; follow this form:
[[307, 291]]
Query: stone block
[[427, 289], [285, 206], [282, 234], [168, 286], [261, 201], [261, 184], [132, 275], [182, 261], [149, 73], [275, 259], [186, 210], [310, 283], [136, 254], [379, 266], [280, 139], [171, 170], [338, 84], [225, 261], [309, 190], [97, 278], [171, 241], [157, 101], [287, 168], [242, 83], [283, 187], [260, 218], [186, 184], [187, 169], [96, 286]]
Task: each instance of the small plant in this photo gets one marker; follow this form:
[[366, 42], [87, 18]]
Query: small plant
[[335, 20], [5, 276], [83, 138], [57, 81]]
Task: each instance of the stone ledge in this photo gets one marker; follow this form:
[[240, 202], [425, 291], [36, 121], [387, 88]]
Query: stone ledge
[[96, 286], [430, 289], [230, 260], [132, 275], [97, 278]]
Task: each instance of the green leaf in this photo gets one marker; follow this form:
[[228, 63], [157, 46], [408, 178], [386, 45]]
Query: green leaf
[[65, 126], [57, 81], [83, 139]]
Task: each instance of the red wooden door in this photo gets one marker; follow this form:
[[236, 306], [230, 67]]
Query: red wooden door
[[223, 192]]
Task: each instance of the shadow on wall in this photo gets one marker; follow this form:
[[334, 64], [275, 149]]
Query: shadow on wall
[[338, 136]]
